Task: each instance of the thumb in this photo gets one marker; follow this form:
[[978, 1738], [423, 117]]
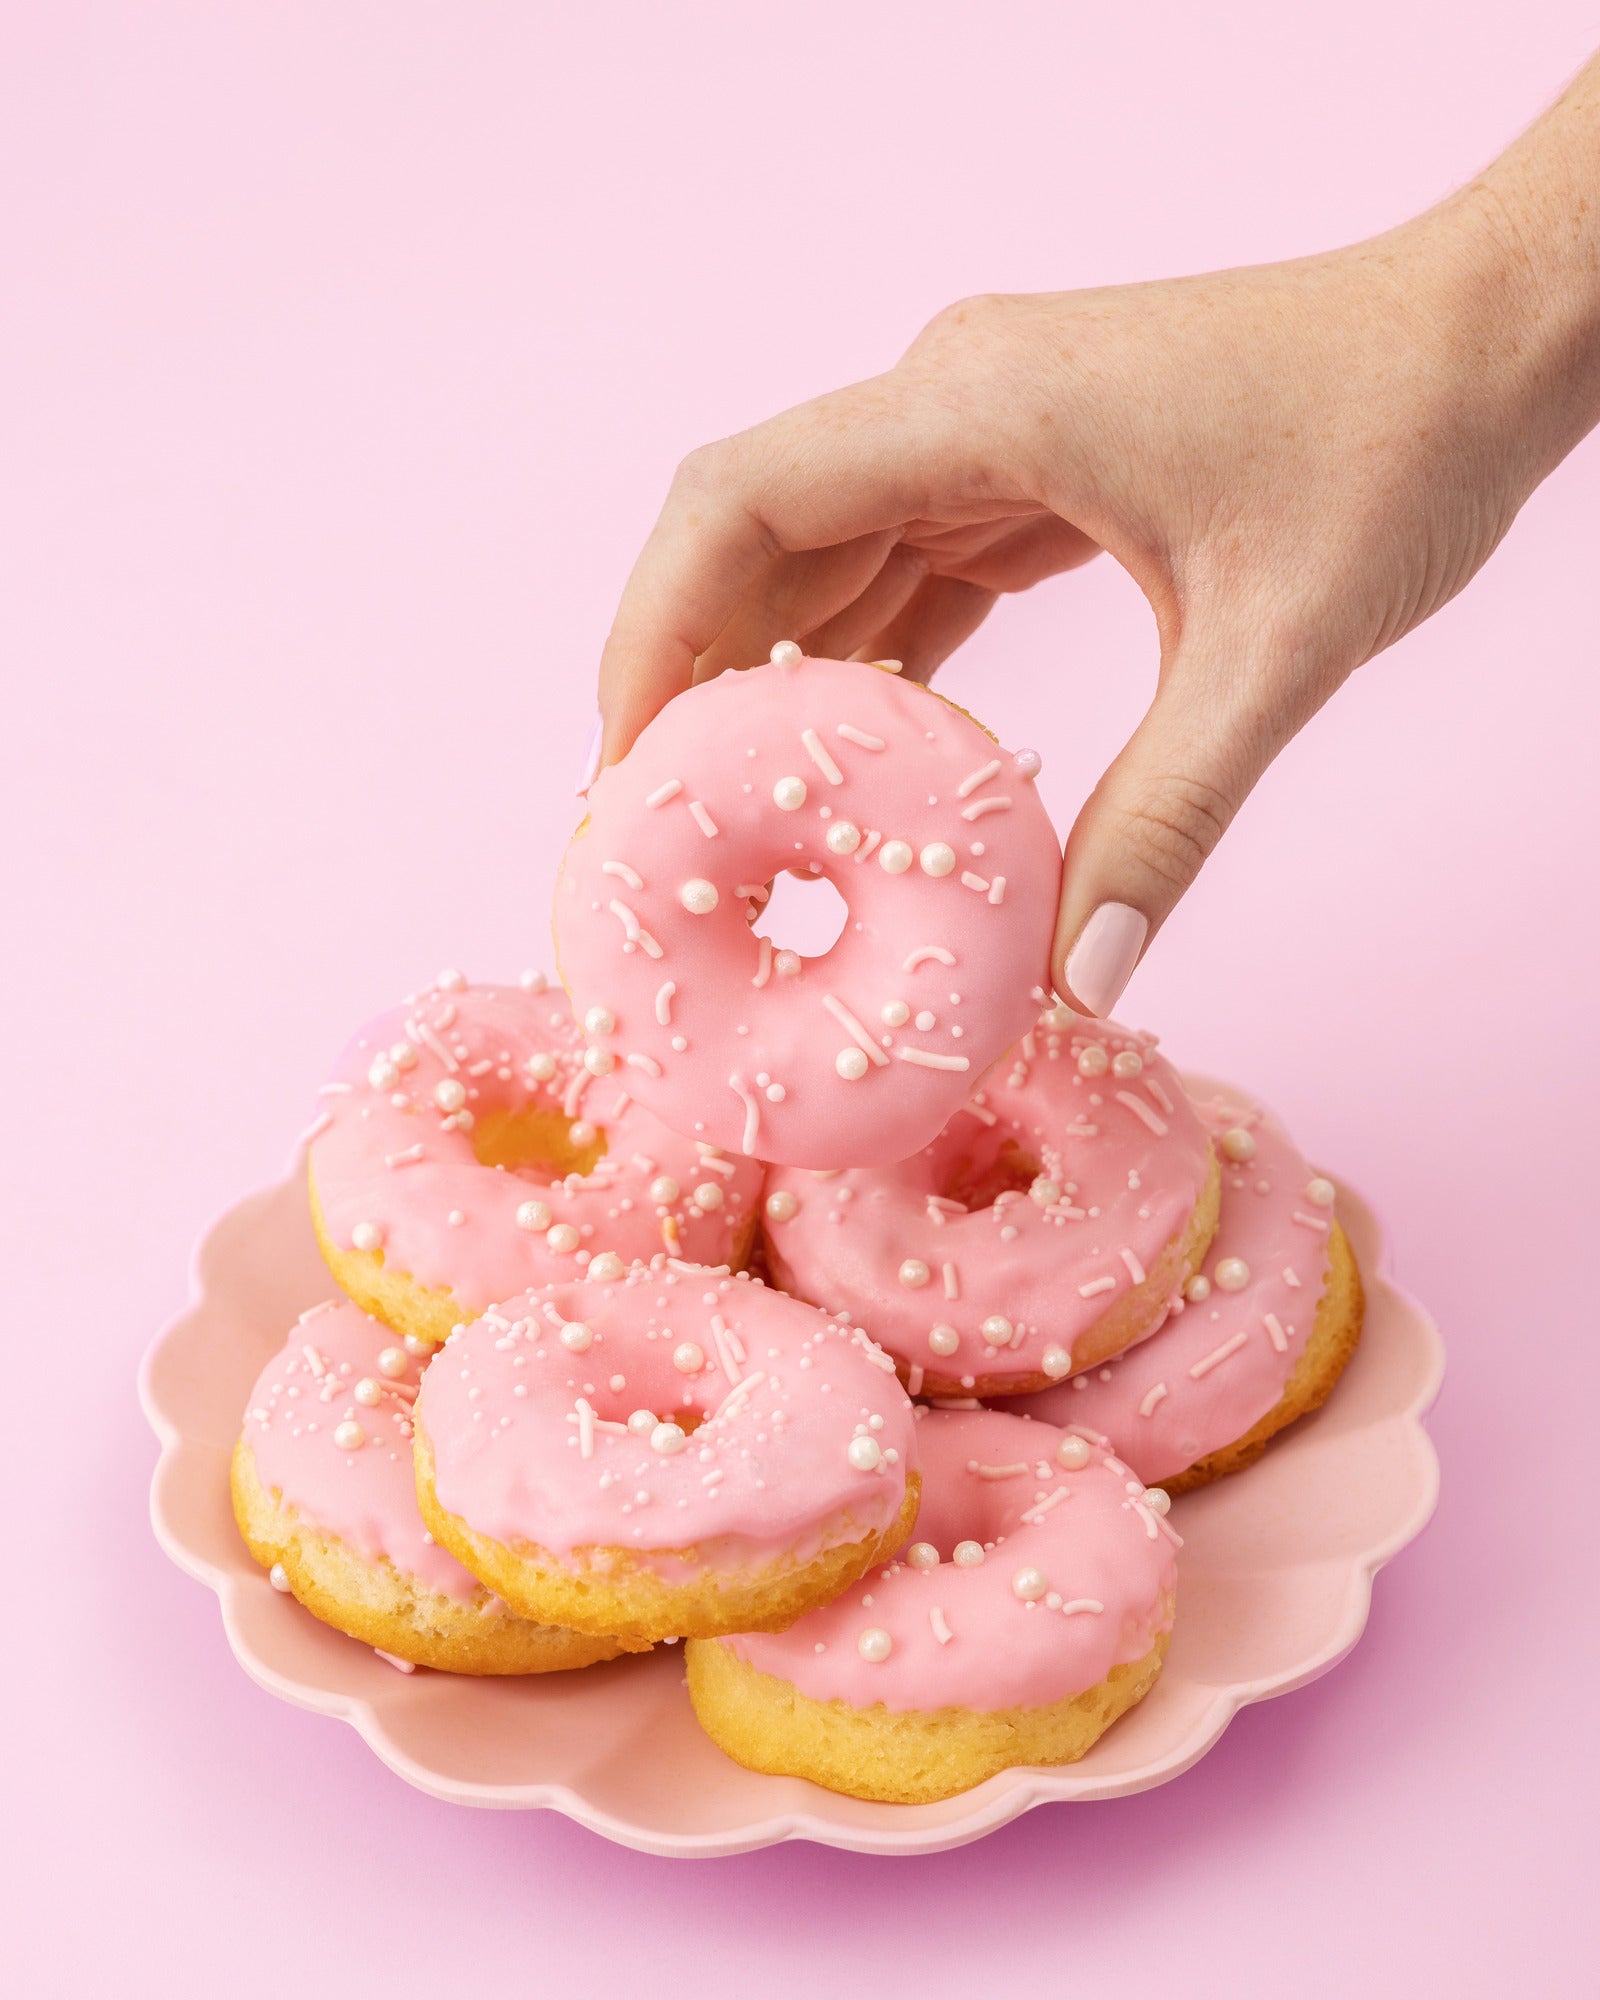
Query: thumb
[[1149, 825]]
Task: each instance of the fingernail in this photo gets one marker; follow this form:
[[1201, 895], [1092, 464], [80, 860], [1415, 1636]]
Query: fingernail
[[1101, 963], [591, 758]]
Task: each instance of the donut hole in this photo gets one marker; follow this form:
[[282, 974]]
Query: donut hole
[[995, 1165], [804, 913], [533, 1142]]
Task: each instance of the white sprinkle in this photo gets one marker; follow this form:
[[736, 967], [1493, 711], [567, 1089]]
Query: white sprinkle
[[974, 779], [1291, 1278], [1040, 1508], [941, 1631], [952, 1281], [752, 1113], [648, 1064], [981, 1112], [431, 1042], [702, 819], [923, 953], [852, 1027], [1275, 1333], [1135, 1268], [585, 1428], [623, 873], [1096, 1286], [723, 1338], [1310, 1221], [335, 1090], [1076, 1604], [971, 881], [394, 1660], [926, 1059], [914, 1379], [859, 737], [998, 804], [817, 750], [1219, 1355], [1159, 1095], [1142, 1112], [994, 1471], [871, 841], [997, 889], [635, 933], [316, 1128], [763, 961], [662, 793], [405, 1159], [1147, 1407]]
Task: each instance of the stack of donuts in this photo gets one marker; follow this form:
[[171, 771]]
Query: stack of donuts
[[851, 1320]]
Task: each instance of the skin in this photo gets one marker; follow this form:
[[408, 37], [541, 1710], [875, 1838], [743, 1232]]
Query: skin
[[1297, 463]]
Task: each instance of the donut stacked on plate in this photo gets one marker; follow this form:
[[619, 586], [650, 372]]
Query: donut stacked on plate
[[903, 1486]]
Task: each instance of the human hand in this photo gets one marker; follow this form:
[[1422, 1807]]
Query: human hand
[[1297, 464]]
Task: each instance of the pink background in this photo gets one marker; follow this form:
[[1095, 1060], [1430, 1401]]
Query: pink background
[[346, 353]]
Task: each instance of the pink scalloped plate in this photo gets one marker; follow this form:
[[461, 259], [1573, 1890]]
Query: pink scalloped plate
[[1276, 1578]]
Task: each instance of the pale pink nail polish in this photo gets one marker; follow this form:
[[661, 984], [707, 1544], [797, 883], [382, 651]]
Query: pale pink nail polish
[[1101, 963], [591, 758]]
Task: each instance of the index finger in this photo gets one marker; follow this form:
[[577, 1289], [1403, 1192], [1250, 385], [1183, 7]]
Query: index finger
[[849, 464]]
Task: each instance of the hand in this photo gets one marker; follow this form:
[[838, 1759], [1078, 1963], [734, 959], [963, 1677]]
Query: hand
[[1296, 463]]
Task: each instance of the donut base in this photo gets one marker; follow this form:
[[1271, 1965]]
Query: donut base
[[1136, 1313], [615, 1592], [396, 1298], [384, 1607], [902, 1757], [1334, 1334]]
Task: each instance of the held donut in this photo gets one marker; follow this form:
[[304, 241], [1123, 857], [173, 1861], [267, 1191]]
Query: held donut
[[1031, 1611], [1044, 1229], [936, 840], [324, 1495], [468, 1146], [678, 1453], [1259, 1338]]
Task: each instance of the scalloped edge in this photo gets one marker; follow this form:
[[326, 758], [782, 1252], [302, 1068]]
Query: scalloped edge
[[994, 1804]]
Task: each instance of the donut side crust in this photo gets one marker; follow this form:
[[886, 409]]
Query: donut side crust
[[384, 1607], [902, 1757], [614, 1591], [1334, 1336]]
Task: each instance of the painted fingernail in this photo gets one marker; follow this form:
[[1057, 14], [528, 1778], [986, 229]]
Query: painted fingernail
[[591, 758], [1101, 963]]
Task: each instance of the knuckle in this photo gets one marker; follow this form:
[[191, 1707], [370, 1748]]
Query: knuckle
[[1173, 826]]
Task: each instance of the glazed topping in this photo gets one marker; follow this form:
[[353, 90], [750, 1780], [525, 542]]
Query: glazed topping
[[1038, 1209], [1221, 1360], [329, 1427], [467, 1137], [694, 1408], [938, 844], [1052, 1568]]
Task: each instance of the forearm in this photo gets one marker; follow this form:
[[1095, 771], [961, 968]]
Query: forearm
[[1518, 251]]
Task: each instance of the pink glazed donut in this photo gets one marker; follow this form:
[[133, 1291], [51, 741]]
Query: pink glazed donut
[[1031, 1611], [1044, 1229], [936, 840], [469, 1146], [324, 1495], [1261, 1336], [679, 1453]]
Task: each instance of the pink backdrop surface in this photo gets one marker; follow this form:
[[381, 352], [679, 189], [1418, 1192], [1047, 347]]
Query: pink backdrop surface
[[345, 355]]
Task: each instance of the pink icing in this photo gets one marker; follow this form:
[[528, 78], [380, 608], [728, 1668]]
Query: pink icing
[[1106, 1574], [390, 1157], [365, 1494], [941, 959], [1125, 1158], [1219, 1364], [531, 1439]]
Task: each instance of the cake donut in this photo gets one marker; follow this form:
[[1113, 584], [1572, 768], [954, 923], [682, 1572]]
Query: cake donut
[[1044, 1229], [681, 1452], [1031, 1611], [1259, 1337], [469, 1145], [934, 837], [324, 1495]]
